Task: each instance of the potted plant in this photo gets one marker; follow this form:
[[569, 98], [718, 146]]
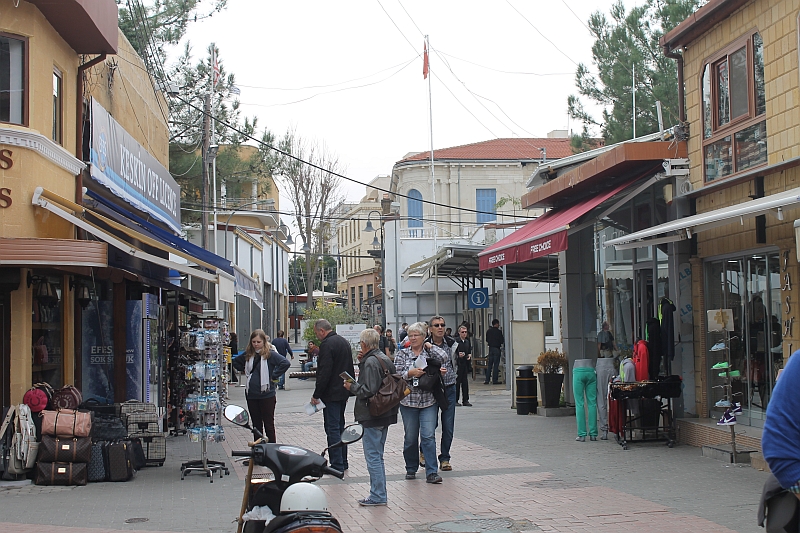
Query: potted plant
[[550, 368]]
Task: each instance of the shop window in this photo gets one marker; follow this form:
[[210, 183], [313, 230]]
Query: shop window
[[734, 109], [486, 202], [57, 105], [47, 362], [12, 80]]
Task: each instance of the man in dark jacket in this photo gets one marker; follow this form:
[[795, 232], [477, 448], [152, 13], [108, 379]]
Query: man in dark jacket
[[282, 347], [335, 357], [495, 339], [376, 428]]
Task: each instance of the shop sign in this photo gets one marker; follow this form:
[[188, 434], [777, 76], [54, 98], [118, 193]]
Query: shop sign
[[556, 242], [124, 167], [5, 159]]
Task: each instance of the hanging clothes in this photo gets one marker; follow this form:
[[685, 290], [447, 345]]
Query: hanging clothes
[[667, 312], [641, 360], [627, 370], [653, 329]]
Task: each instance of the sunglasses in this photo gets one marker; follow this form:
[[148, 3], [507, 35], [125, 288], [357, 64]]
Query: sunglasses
[[437, 325]]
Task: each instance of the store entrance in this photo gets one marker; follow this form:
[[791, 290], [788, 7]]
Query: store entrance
[[749, 286], [5, 349], [643, 297]]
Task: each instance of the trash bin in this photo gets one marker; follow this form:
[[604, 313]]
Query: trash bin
[[526, 390]]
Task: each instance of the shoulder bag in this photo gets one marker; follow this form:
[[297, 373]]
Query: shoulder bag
[[393, 389]]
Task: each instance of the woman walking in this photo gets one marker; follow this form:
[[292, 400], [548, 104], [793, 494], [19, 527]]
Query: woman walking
[[419, 409], [262, 366]]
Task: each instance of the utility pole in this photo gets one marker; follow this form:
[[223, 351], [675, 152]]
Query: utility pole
[[206, 144]]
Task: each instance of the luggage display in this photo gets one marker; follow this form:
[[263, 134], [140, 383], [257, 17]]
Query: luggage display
[[108, 427], [96, 467], [143, 422], [66, 423], [155, 448], [139, 461], [65, 449], [118, 463], [100, 408], [135, 406], [61, 473], [67, 397]]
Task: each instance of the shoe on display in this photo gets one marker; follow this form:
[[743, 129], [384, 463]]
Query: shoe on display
[[433, 478], [718, 347], [730, 374], [728, 419], [720, 366], [737, 408], [445, 465], [723, 403]]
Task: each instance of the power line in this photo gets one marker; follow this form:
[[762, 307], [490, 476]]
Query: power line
[[541, 74], [540, 33], [576, 16]]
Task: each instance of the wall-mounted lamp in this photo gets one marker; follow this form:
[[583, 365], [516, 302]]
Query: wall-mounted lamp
[[44, 293], [82, 295]]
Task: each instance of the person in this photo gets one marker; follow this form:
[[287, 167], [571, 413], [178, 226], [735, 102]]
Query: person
[[419, 409], [262, 366], [335, 357], [283, 348], [780, 441], [604, 368], [234, 346], [313, 353], [584, 384], [379, 329], [376, 428], [401, 333], [495, 339], [463, 351], [448, 332], [440, 339], [390, 346]]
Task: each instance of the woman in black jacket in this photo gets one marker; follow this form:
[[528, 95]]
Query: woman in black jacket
[[262, 366]]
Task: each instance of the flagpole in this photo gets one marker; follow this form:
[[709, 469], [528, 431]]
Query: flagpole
[[433, 175], [213, 128]]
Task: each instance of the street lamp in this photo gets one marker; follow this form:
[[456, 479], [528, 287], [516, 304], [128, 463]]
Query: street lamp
[[378, 245], [305, 249]]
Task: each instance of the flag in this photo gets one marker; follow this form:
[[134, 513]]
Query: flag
[[215, 81], [425, 66], [235, 90]]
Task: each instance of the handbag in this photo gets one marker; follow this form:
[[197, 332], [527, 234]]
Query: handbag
[[40, 356], [108, 427], [61, 473], [66, 423], [432, 376], [67, 397], [392, 391]]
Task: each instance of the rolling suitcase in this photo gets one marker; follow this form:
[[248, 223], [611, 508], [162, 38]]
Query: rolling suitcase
[[118, 462], [96, 467], [155, 448], [139, 422]]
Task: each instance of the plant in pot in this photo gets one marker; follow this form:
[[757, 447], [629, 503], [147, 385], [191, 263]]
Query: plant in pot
[[550, 369]]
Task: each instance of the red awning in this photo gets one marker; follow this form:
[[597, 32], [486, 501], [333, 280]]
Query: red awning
[[542, 236]]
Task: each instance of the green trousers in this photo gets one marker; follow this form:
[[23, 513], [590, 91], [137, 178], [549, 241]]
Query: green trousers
[[584, 381]]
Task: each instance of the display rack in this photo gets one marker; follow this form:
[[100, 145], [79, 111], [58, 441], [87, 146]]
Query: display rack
[[204, 375], [727, 373]]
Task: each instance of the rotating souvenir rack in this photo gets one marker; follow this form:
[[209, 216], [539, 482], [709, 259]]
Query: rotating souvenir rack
[[204, 394]]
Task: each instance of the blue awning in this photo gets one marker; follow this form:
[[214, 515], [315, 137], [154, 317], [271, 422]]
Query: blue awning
[[150, 229]]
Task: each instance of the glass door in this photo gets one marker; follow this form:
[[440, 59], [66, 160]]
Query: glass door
[[645, 307]]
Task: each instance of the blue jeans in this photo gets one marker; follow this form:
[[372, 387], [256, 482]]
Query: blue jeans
[[493, 365], [420, 428], [374, 441], [448, 423], [333, 417]]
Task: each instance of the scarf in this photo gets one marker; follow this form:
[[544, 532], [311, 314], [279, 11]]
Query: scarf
[[248, 371]]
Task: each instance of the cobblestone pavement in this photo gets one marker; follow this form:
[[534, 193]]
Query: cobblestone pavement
[[510, 473]]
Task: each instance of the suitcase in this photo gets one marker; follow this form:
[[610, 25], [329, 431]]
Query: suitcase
[[65, 450], [138, 454], [155, 448], [143, 422], [61, 473], [96, 467], [118, 463], [92, 404], [135, 406], [108, 427]]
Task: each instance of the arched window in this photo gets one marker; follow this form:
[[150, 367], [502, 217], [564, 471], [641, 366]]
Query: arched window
[[414, 209]]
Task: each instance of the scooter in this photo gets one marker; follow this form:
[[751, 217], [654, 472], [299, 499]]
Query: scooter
[[290, 502]]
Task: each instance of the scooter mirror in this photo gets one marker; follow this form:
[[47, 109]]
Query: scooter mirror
[[352, 433], [238, 415]]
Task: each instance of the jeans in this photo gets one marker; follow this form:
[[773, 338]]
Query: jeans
[[374, 441], [308, 366], [605, 369], [420, 425], [448, 423], [262, 414], [333, 416], [584, 381], [493, 365]]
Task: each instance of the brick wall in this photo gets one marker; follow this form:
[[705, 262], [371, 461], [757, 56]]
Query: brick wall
[[695, 434]]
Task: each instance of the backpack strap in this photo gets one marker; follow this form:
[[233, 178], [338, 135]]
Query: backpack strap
[[383, 365]]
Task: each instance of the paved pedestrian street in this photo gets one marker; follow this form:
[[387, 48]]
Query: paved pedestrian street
[[510, 473]]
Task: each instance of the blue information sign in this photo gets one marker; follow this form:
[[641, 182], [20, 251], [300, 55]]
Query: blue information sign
[[478, 298]]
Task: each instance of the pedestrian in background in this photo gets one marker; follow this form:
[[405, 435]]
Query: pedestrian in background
[[390, 346], [283, 348], [463, 352], [376, 428], [401, 333], [495, 339], [234, 346], [419, 409], [262, 366], [335, 357]]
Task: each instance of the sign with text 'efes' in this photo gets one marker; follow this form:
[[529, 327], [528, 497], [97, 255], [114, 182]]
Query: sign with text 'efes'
[[124, 167]]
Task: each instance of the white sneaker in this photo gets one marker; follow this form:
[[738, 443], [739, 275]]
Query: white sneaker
[[718, 347]]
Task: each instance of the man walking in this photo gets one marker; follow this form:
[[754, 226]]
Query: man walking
[[438, 338], [401, 333], [462, 350], [282, 347], [495, 339], [335, 357]]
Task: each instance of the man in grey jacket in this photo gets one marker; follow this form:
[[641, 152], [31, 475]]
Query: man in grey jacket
[[370, 378]]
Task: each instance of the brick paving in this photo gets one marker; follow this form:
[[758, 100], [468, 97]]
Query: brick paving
[[525, 469]]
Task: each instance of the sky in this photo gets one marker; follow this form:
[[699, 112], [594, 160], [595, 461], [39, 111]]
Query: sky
[[348, 74]]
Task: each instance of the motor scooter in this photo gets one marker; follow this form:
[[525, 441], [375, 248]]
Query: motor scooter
[[290, 502]]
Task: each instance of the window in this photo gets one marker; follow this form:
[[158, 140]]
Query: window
[[414, 209], [486, 201], [12, 80], [353, 298], [734, 109], [360, 297], [57, 105], [370, 291], [544, 314]]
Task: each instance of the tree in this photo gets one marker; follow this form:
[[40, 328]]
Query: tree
[[311, 181], [626, 43], [335, 314]]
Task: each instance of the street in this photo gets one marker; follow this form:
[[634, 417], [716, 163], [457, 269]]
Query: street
[[510, 473]]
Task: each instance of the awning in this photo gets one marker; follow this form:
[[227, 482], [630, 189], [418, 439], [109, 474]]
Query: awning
[[53, 252], [76, 214], [542, 236], [247, 286], [685, 227]]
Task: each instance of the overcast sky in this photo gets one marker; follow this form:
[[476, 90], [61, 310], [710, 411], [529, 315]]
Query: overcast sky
[[349, 74]]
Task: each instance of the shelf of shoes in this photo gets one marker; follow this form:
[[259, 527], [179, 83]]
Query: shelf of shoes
[[731, 408]]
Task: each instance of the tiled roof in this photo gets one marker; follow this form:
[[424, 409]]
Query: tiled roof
[[500, 149]]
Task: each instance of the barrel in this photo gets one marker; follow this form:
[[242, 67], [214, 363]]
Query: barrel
[[526, 390]]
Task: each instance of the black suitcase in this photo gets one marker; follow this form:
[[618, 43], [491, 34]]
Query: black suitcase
[[138, 454], [118, 461], [97, 466]]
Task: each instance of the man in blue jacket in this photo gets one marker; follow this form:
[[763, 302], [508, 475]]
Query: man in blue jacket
[[780, 441], [282, 347]]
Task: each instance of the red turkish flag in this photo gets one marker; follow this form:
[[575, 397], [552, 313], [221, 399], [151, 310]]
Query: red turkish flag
[[425, 65]]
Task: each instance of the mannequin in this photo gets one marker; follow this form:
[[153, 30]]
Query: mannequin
[[584, 382]]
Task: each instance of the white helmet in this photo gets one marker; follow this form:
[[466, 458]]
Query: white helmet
[[303, 497]]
